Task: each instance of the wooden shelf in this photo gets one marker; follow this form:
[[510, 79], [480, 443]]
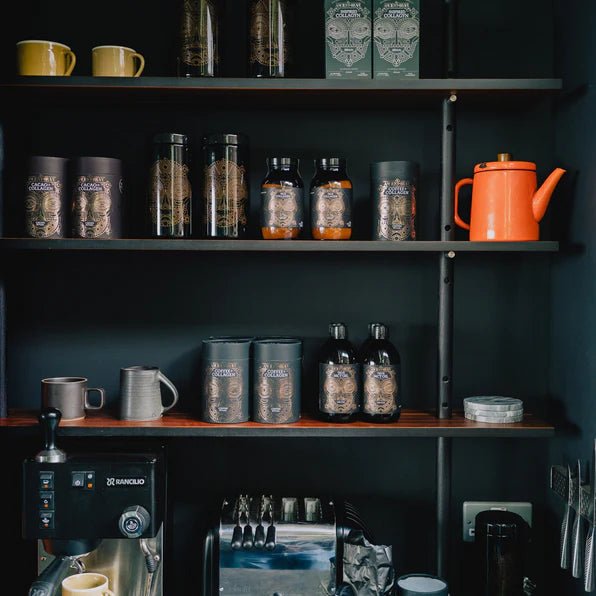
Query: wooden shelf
[[74, 244], [284, 92], [412, 423]]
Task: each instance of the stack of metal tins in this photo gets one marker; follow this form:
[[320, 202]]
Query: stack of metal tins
[[494, 409]]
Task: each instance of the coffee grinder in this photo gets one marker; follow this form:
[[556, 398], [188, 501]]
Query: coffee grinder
[[101, 513]]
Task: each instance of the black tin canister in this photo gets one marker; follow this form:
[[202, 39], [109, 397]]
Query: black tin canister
[[45, 197], [225, 365], [277, 369], [170, 191], [97, 198], [225, 185], [393, 186]]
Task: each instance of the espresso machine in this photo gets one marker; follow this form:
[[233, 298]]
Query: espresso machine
[[102, 513], [263, 545]]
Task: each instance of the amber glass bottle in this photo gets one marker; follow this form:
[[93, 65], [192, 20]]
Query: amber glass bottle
[[282, 200], [339, 377], [381, 377], [331, 200]]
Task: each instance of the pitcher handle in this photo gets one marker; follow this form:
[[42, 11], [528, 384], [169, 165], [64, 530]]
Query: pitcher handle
[[102, 398], [171, 387], [458, 220], [73, 60], [141, 64]]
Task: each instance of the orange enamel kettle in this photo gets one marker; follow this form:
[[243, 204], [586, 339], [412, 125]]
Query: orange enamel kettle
[[505, 202]]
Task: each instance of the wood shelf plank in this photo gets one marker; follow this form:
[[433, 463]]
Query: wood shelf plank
[[412, 423], [165, 245]]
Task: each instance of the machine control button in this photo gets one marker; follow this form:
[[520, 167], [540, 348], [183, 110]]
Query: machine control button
[[46, 520], [46, 501], [89, 480], [46, 480], [134, 521], [78, 479]]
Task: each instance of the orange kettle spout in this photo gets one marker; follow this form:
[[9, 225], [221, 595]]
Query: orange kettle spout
[[544, 193]]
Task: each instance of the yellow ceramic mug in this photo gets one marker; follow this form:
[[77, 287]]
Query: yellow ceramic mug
[[87, 584], [116, 61], [44, 58]]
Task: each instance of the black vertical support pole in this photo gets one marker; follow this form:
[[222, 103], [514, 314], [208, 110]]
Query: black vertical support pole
[[3, 399], [450, 37], [445, 335]]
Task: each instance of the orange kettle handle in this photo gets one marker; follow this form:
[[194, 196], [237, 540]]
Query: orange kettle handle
[[458, 220]]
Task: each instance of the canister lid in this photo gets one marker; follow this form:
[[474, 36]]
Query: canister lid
[[392, 169], [44, 164], [421, 584], [226, 349], [224, 138], [172, 138], [272, 349], [98, 165]]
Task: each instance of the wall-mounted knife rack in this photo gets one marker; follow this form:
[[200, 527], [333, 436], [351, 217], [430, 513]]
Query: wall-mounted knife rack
[[559, 485]]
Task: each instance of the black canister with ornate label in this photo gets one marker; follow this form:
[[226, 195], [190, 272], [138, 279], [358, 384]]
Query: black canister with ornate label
[[282, 200], [277, 369], [339, 377], [225, 368], [394, 185], [45, 197], [170, 191], [97, 198], [225, 185]]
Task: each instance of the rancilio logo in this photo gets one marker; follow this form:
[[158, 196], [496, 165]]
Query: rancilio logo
[[113, 481]]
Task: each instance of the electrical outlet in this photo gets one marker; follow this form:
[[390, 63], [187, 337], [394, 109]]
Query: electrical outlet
[[473, 508]]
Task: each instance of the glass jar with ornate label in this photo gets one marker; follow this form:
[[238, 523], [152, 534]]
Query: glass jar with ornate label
[[339, 377], [225, 185], [170, 192], [381, 377], [282, 200], [199, 38], [331, 200]]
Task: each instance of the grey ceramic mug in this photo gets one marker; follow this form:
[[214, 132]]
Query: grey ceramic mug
[[70, 395], [140, 393]]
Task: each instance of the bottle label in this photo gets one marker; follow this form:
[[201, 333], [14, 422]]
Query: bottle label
[[268, 45], [282, 207], [332, 207], [275, 399], [92, 207], [43, 218], [198, 33], [397, 32], [348, 31], [170, 194], [338, 388], [225, 395], [396, 217], [380, 389], [226, 195]]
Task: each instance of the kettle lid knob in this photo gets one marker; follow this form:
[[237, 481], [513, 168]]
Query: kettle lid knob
[[504, 157]]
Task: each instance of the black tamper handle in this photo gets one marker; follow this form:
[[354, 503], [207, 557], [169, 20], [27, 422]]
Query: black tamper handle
[[247, 541], [259, 536], [270, 542], [49, 420], [236, 543]]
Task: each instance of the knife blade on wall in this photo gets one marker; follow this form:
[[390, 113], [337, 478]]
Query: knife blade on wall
[[589, 576], [578, 534], [567, 522]]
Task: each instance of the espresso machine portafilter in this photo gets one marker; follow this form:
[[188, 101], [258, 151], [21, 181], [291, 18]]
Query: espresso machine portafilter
[[94, 512]]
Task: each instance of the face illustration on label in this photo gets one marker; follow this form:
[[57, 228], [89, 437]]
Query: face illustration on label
[[263, 49], [330, 208], [197, 49], [42, 206], [340, 389], [169, 182], [226, 191], [223, 389], [93, 206], [380, 390], [274, 392], [348, 37], [396, 39], [282, 209], [396, 211]]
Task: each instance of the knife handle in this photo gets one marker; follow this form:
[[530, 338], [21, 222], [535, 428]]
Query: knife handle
[[566, 537], [589, 578], [577, 555]]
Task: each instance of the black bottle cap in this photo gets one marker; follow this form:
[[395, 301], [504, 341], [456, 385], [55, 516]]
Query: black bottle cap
[[379, 331], [278, 162], [171, 138], [223, 138], [370, 328], [330, 162], [338, 331]]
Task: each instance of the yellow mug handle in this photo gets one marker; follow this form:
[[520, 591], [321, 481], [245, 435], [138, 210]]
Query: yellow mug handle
[[73, 60], [141, 64]]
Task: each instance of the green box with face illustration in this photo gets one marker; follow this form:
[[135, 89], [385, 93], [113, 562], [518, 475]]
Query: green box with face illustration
[[396, 31], [348, 39]]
